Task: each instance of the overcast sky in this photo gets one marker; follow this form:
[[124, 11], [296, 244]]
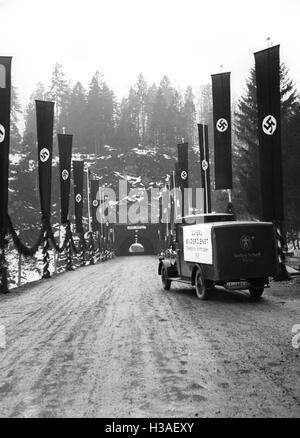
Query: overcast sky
[[187, 40]]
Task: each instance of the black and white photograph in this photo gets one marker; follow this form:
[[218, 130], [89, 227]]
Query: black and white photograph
[[149, 211]]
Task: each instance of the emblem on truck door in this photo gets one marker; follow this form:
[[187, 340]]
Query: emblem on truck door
[[246, 242]]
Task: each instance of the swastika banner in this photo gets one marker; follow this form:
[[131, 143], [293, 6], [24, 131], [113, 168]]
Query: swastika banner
[[222, 130], [182, 176], [65, 154], [5, 90], [44, 124], [204, 165], [267, 69], [78, 173], [95, 203]]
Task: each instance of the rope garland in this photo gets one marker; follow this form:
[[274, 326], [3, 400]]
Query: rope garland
[[46, 257], [283, 274], [45, 238], [91, 248], [27, 251], [3, 266], [83, 248]]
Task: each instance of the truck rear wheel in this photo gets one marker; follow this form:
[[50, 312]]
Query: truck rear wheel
[[164, 279], [201, 289], [256, 292]]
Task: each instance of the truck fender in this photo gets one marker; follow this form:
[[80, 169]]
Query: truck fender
[[162, 263], [195, 267]]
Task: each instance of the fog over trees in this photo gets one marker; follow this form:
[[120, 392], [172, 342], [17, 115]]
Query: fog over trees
[[137, 136]]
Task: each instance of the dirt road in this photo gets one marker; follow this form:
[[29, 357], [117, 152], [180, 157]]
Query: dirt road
[[105, 341]]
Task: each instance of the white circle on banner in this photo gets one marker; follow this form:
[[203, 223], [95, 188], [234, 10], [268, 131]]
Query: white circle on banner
[[95, 203], [65, 174], [222, 125], [269, 125], [246, 242], [2, 133], [78, 197], [204, 165], [183, 175], [44, 155]]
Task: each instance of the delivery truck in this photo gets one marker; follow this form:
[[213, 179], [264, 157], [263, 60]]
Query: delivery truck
[[214, 250]]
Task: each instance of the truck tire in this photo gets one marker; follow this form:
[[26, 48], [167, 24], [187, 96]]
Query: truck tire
[[201, 288], [166, 284], [256, 292]]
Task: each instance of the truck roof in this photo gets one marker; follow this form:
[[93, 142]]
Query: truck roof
[[209, 217], [231, 223]]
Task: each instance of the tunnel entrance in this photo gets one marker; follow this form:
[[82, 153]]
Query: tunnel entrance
[[136, 248], [132, 247], [137, 239]]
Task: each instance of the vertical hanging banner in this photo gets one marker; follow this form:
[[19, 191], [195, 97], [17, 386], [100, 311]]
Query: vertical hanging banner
[[78, 175], [267, 69], [182, 172], [222, 130], [95, 203], [44, 124], [204, 165], [5, 92], [65, 154]]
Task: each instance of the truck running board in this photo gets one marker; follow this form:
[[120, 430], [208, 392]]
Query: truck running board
[[180, 279]]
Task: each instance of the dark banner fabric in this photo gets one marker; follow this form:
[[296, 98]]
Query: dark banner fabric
[[95, 203], [182, 177], [65, 155], [5, 91], [182, 166], [78, 177], [204, 165], [44, 124], [222, 130], [267, 69]]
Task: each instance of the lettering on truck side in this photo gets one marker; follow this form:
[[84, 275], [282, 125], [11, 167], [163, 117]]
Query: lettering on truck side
[[197, 243]]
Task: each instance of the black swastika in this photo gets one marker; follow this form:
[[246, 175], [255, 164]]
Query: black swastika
[[222, 125], [269, 124]]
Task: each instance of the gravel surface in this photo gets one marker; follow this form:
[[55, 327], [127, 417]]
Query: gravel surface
[[106, 341]]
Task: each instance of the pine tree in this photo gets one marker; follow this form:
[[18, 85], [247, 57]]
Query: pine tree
[[29, 135], [141, 89], [166, 121], [189, 117], [77, 118], [15, 137], [127, 135], [59, 93], [101, 113]]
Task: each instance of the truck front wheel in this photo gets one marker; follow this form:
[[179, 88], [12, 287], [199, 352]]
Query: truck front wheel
[[201, 288]]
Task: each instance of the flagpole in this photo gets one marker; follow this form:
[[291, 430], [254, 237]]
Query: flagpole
[[175, 210], [204, 156], [175, 200], [88, 198]]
